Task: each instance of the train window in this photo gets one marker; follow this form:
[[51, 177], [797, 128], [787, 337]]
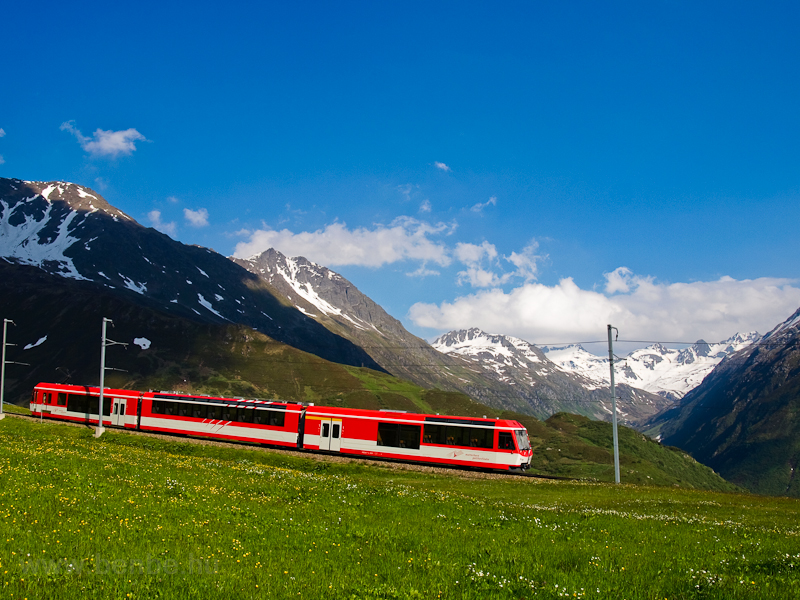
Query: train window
[[481, 438], [457, 436], [435, 434], [184, 409], [409, 436], [157, 407], [215, 412], [91, 405], [199, 411], [337, 427], [277, 418], [79, 404], [399, 436], [170, 408], [62, 399], [45, 398], [505, 441], [246, 415], [522, 439], [326, 427], [388, 435]]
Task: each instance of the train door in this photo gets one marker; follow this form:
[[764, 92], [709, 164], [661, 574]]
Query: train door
[[118, 412], [330, 434]]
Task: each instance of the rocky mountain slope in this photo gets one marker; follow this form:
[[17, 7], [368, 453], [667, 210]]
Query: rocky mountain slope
[[668, 372], [70, 231], [523, 366], [743, 420]]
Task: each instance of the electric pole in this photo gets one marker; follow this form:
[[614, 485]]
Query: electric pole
[[613, 402], [3, 363], [103, 343]]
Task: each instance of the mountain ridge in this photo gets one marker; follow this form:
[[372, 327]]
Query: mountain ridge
[[743, 420]]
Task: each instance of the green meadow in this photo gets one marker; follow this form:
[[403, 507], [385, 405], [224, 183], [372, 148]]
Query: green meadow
[[132, 516]]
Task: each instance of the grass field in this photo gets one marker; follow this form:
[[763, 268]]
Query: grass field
[[131, 516]]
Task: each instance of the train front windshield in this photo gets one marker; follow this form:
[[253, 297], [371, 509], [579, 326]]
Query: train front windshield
[[523, 443]]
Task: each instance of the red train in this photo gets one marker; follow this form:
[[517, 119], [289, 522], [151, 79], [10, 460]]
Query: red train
[[432, 439]]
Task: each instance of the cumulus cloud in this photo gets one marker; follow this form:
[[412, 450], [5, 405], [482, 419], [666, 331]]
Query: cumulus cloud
[[425, 207], [478, 258], [442, 166], [526, 261], [484, 267], [642, 309], [106, 143], [154, 217], [481, 205], [405, 238], [196, 218]]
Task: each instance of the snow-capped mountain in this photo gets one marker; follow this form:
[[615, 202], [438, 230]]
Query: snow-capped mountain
[[498, 352], [336, 303], [526, 367], [317, 291], [656, 369], [70, 231]]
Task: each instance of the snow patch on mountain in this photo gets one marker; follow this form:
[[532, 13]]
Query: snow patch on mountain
[[207, 305], [668, 372], [793, 321], [139, 288], [27, 243], [39, 342]]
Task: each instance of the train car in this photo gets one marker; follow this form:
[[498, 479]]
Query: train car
[[258, 421], [80, 403], [432, 439]]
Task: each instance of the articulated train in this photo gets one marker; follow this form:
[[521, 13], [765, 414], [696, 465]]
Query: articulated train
[[431, 439]]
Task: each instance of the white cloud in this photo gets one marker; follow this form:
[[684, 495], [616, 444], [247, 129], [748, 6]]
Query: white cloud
[[526, 261], [405, 238], [425, 207], [106, 143], [641, 308], [100, 183], [479, 277], [155, 220], [172, 199], [481, 205], [2, 132], [196, 218], [442, 166], [423, 271], [483, 265], [471, 254], [2, 161]]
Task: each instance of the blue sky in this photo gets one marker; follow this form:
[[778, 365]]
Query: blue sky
[[536, 169]]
